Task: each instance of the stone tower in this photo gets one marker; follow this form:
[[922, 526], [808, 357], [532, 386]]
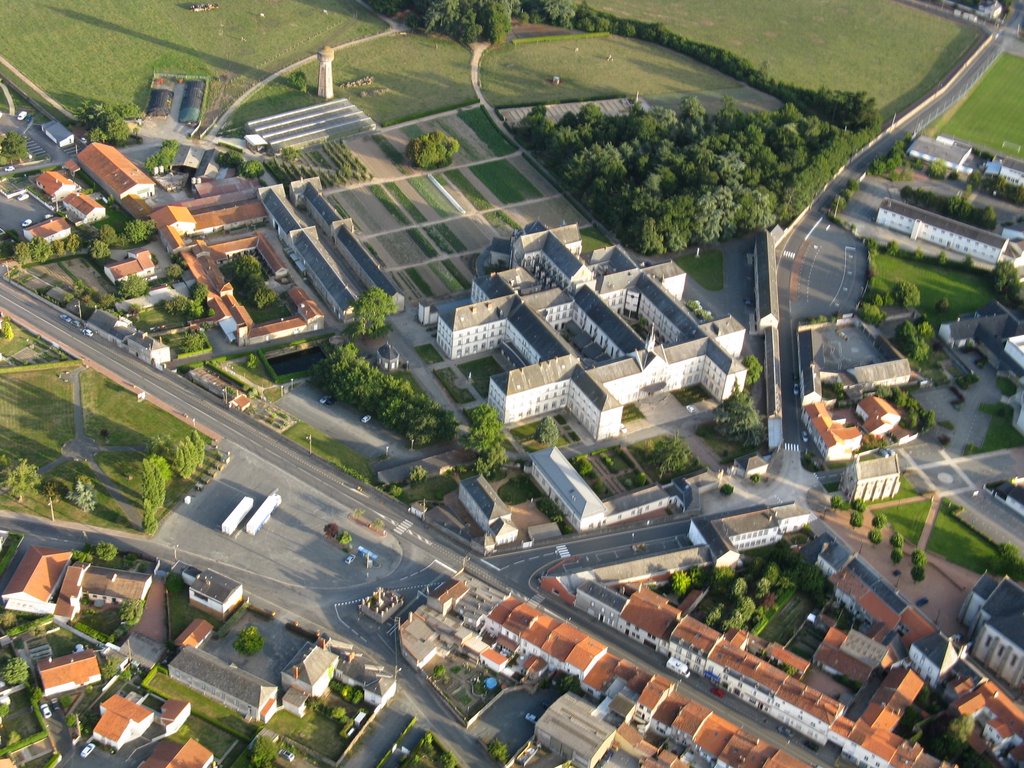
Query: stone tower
[[325, 81]]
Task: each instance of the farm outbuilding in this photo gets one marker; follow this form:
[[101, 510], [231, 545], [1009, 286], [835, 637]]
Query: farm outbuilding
[[160, 99], [192, 101]]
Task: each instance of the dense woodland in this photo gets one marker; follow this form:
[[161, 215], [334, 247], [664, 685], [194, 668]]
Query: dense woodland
[[663, 180]]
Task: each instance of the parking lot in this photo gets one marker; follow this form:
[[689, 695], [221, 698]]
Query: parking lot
[[506, 717]]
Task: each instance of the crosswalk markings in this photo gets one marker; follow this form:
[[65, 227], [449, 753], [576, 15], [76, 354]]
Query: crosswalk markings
[[793, 447], [562, 551], [403, 526], [789, 254]]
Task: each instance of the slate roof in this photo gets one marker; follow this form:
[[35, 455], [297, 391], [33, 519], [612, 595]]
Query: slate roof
[[317, 261], [280, 210], [603, 594], [570, 487], [686, 327], [538, 334], [319, 203], [214, 586], [610, 322], [485, 497], [766, 268], [365, 261], [313, 663], [936, 648], [230, 680], [1005, 606], [983, 236]]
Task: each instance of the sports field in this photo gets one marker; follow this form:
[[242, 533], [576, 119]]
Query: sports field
[[109, 49], [992, 115], [600, 68], [893, 52]]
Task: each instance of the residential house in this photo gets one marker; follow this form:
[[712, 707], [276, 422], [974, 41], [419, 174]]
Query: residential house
[[446, 595], [215, 593], [851, 654], [173, 714], [831, 437], [191, 754], [649, 618], [139, 262], [55, 186], [83, 209], [149, 349], [100, 586], [68, 673], [758, 528], [872, 477], [570, 729], [419, 640], [121, 720], [933, 657], [1011, 494], [993, 613], [827, 553], [310, 670], [878, 417], [35, 582], [999, 718], [49, 230], [194, 634], [253, 698], [116, 174], [377, 681], [488, 510]]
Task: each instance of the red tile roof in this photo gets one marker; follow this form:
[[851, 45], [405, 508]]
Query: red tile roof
[[111, 168], [52, 182], [83, 203], [80, 668], [118, 714], [650, 612], [49, 227], [38, 573], [191, 754], [194, 634]]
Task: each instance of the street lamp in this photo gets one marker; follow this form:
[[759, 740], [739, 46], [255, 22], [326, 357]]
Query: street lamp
[[309, 440]]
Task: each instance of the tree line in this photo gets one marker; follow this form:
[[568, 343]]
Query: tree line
[[347, 376], [952, 207], [665, 179]]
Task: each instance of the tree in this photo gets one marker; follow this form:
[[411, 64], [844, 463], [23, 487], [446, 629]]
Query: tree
[[299, 81], [942, 305], [162, 160], [681, 583], [487, 438], [345, 538], [83, 494], [856, 518], [106, 122], [560, 12], [896, 540], [417, 474], [1006, 281], [875, 536], [370, 311], [155, 476], [21, 478], [99, 250], [448, 760], [193, 342], [6, 328], [252, 362], [919, 561], [251, 169], [263, 297], [498, 750], [249, 641], [738, 419], [961, 728], [262, 753], [739, 588], [896, 555], [432, 150], [547, 432], [673, 456], [105, 550], [754, 369], [439, 673], [907, 294], [138, 231], [132, 287], [13, 147], [14, 670], [131, 612], [879, 520], [762, 588]]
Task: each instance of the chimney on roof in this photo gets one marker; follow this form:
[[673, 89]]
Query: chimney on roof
[[295, 671]]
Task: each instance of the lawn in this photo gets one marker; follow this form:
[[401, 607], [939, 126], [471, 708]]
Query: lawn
[[207, 734], [505, 182], [518, 490], [448, 380], [432, 489], [124, 468], [956, 541], [467, 188], [329, 449], [36, 414], [428, 354], [858, 46], [706, 269], [1001, 433], [594, 68], [1006, 386], [106, 514], [593, 239], [271, 99], [909, 518], [314, 731], [181, 612], [479, 372], [966, 289], [987, 117], [209, 710], [154, 317], [725, 449], [482, 126], [691, 395], [115, 416], [110, 49]]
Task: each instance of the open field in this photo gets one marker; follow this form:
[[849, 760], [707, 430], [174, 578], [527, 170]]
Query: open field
[[36, 415], [208, 709], [438, 82], [106, 514], [114, 416], [111, 49], [602, 68], [908, 519], [967, 290], [278, 96], [315, 731], [993, 112], [858, 46], [1001, 432], [961, 544]]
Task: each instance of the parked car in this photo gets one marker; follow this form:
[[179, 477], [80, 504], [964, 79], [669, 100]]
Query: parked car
[[22, 115], [716, 691], [326, 400], [65, 318], [87, 749], [690, 409], [921, 602], [22, 198], [290, 757], [87, 331], [26, 223], [350, 559], [8, 168], [365, 419], [530, 717], [45, 709]]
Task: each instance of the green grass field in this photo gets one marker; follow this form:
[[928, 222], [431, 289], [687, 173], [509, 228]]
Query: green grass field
[[593, 239], [36, 415], [466, 187], [908, 519], [861, 46], [594, 68], [127, 421], [439, 81], [109, 49], [206, 708], [107, 513], [993, 112], [959, 543], [505, 182], [482, 126], [1001, 432], [278, 96], [328, 449], [966, 290], [316, 731], [706, 269]]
